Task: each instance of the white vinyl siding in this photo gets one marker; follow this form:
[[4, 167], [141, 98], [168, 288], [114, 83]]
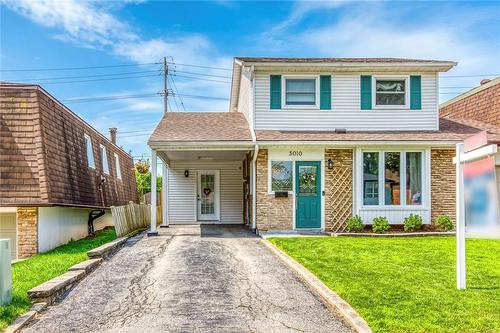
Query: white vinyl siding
[[182, 191], [8, 230], [244, 99], [346, 112]]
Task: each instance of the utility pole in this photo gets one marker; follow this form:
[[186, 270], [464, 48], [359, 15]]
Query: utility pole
[[165, 81]]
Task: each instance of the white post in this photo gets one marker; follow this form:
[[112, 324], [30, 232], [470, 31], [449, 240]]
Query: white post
[[5, 272], [153, 193], [254, 188], [164, 196], [460, 222]]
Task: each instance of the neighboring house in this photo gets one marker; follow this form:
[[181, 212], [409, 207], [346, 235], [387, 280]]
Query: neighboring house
[[480, 106], [52, 169], [309, 142]]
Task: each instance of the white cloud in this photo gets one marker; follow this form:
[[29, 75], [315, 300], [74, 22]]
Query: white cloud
[[377, 30]]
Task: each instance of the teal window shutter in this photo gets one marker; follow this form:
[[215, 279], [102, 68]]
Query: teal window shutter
[[275, 93], [325, 92], [366, 92], [415, 92]]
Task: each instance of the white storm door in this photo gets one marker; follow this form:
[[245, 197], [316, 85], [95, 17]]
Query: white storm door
[[208, 196]]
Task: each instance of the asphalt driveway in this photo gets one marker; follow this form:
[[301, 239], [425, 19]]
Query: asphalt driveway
[[191, 279]]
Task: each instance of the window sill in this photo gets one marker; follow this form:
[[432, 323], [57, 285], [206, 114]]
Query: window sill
[[394, 208]]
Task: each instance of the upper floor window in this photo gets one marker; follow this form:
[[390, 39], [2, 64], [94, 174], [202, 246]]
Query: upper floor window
[[117, 166], [104, 159], [89, 151], [300, 91], [390, 92]]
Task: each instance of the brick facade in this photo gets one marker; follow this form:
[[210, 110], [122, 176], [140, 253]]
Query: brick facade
[[442, 183], [27, 232], [272, 213], [338, 189]]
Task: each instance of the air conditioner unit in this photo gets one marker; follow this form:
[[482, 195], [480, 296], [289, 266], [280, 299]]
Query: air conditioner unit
[[5, 272]]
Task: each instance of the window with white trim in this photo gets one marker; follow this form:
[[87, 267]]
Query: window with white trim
[[281, 176], [104, 159], [300, 91], [117, 166], [89, 151], [393, 178], [391, 91]]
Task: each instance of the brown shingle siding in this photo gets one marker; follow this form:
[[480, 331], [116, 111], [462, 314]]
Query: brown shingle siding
[[484, 106], [44, 148]]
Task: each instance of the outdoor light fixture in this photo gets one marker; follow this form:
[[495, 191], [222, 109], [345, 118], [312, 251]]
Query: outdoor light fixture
[[186, 173], [330, 164]]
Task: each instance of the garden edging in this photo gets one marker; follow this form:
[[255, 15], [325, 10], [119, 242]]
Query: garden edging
[[331, 299], [394, 234], [48, 292]]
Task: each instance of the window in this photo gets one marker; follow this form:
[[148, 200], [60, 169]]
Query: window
[[401, 179], [390, 92], [104, 159], [392, 181], [90, 151], [117, 166], [300, 91], [413, 178], [281, 176], [370, 178]]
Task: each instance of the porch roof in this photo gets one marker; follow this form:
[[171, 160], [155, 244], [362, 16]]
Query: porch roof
[[450, 130], [217, 127]]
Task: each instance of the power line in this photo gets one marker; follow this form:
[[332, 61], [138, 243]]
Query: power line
[[84, 76], [108, 98], [200, 66], [96, 80], [177, 91], [475, 75], [202, 97], [77, 68], [202, 74]]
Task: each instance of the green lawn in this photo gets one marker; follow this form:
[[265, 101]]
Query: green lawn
[[407, 284], [43, 267]]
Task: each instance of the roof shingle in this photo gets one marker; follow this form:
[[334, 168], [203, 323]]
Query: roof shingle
[[202, 126]]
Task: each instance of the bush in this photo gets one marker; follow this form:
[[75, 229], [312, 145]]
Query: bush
[[380, 225], [412, 223], [444, 222], [355, 224]]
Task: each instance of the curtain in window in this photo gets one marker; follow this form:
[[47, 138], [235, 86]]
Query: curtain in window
[[300, 91], [413, 178]]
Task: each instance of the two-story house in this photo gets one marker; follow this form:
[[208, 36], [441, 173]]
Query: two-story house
[[58, 174], [309, 142]]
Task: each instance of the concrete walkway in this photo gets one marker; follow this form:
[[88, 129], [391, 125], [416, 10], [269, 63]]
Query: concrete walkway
[[191, 279]]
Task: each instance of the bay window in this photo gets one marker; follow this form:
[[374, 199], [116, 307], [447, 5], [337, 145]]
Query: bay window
[[392, 178], [300, 91]]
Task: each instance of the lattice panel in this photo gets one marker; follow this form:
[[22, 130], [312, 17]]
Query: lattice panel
[[340, 190]]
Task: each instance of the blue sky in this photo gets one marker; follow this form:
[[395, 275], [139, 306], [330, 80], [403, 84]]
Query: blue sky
[[84, 33]]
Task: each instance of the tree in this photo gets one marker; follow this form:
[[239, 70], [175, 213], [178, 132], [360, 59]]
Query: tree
[[143, 179]]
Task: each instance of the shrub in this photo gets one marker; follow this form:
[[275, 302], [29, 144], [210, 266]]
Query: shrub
[[412, 223], [355, 224], [444, 222], [380, 225]]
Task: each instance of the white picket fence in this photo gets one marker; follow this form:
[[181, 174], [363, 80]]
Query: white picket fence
[[131, 217]]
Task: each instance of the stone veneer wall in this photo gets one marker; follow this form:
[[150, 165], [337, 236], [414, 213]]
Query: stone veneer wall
[[338, 189], [27, 232], [442, 183], [272, 213]]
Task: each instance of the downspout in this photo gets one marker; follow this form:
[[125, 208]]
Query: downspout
[[255, 154]]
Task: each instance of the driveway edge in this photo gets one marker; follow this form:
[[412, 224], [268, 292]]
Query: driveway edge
[[332, 300]]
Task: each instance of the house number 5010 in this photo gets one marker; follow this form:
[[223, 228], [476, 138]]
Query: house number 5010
[[295, 153]]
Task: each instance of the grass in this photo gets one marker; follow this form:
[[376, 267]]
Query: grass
[[407, 284], [43, 267]]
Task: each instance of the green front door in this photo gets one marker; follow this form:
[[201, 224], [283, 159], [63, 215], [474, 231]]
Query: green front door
[[308, 191]]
